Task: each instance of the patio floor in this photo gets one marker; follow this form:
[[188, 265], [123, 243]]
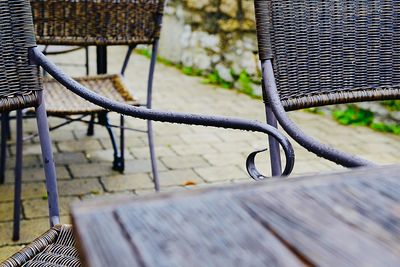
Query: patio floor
[[201, 156]]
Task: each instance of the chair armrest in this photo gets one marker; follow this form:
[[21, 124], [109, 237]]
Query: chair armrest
[[37, 57], [311, 144]]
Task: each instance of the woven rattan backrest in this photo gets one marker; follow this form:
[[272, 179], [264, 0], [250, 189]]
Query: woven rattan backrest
[[331, 51], [97, 22], [19, 81]]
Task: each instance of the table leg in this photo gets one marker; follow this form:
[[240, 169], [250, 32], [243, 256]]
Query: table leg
[[101, 53]]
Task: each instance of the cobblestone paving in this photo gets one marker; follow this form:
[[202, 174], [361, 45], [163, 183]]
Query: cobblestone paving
[[201, 156]]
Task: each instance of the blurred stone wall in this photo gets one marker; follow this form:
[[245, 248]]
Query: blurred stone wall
[[211, 35]]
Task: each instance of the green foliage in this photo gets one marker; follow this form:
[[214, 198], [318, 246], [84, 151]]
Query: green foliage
[[144, 52], [246, 83], [191, 71], [211, 78], [187, 71], [214, 78], [314, 111], [354, 115], [392, 105], [389, 128], [147, 53], [165, 61]]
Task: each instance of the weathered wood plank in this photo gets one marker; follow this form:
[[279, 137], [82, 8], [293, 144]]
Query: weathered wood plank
[[344, 219], [102, 243], [369, 205], [204, 231], [314, 232]]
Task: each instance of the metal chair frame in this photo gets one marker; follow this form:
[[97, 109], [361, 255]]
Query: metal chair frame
[[168, 116], [276, 46], [82, 37]]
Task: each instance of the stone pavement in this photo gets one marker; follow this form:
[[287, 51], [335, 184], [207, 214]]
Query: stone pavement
[[202, 156]]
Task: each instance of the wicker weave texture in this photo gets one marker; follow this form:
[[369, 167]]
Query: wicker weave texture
[[56, 247], [97, 22], [18, 80], [61, 101], [331, 51]]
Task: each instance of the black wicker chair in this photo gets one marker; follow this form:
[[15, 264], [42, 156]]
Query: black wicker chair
[[21, 87], [317, 52], [100, 23]]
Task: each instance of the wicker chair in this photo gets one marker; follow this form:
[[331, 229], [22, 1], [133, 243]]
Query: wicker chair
[[21, 88], [100, 23], [316, 53], [5, 134], [56, 247]]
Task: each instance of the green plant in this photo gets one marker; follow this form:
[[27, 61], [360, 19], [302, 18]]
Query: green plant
[[144, 52], [314, 111], [392, 105], [246, 83], [214, 78], [211, 78], [166, 61], [191, 71], [389, 128], [354, 115]]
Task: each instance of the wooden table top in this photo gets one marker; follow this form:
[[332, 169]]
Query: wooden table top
[[345, 219]]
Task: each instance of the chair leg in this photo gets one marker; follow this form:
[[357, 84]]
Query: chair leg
[[90, 130], [149, 123], [48, 161], [122, 142], [274, 152], [8, 128], [153, 158], [118, 163], [3, 145], [87, 60], [18, 178]]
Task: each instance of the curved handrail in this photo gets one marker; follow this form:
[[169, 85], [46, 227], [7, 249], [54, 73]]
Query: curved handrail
[[311, 144], [37, 57]]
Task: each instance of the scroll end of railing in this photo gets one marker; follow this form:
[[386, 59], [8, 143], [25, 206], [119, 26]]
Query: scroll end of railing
[[251, 166], [255, 174]]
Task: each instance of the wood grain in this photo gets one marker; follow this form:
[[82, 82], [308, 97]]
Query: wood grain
[[201, 232], [102, 242], [346, 223], [344, 219], [369, 205]]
